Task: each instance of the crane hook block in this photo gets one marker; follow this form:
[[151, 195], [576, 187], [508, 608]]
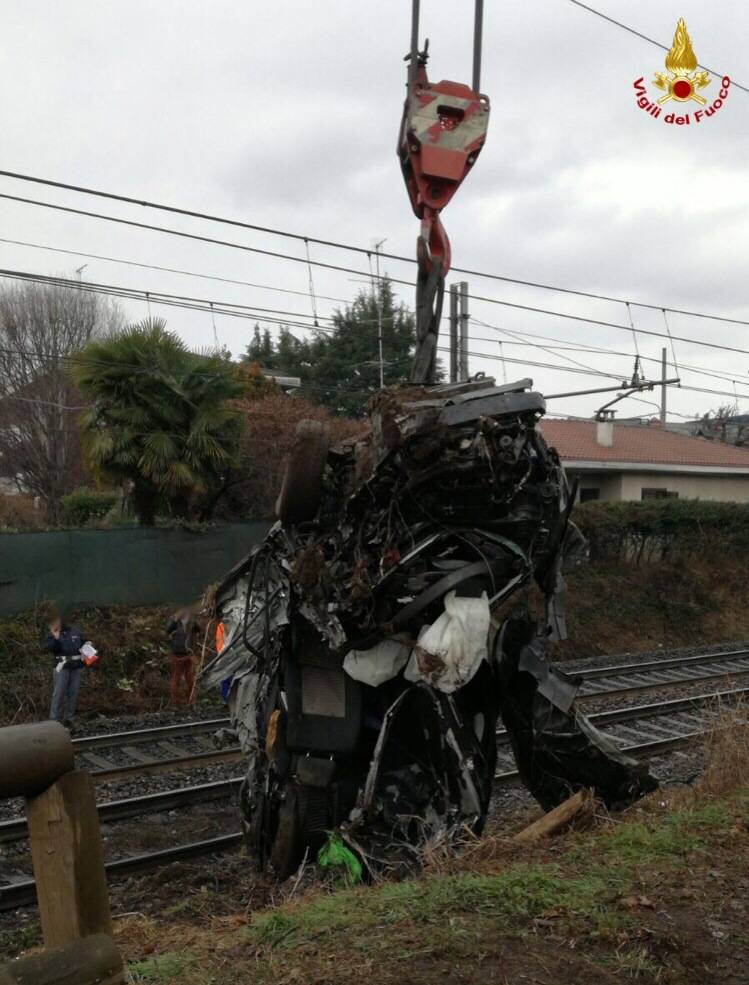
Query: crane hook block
[[443, 130]]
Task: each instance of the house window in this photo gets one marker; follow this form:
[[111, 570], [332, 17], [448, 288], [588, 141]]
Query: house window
[[658, 494], [592, 492]]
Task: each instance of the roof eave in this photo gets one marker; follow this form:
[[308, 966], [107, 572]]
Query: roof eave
[[592, 465]]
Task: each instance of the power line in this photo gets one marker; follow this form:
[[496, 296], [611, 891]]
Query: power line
[[184, 235], [203, 305], [394, 280], [247, 312], [148, 266], [574, 346], [299, 237], [251, 312], [624, 328], [338, 388], [591, 372], [644, 37], [191, 273], [169, 270]]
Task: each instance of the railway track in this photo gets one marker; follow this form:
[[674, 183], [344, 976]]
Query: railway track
[[605, 682], [95, 753], [661, 726]]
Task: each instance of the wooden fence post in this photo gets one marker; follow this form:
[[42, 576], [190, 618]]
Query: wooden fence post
[[68, 860], [93, 961], [32, 757]]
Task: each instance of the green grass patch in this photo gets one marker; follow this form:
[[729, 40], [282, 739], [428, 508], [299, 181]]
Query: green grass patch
[[610, 892], [521, 892], [164, 968], [453, 910], [672, 836]]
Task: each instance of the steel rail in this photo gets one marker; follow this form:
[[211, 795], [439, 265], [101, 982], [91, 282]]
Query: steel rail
[[657, 709], [115, 773], [140, 736], [660, 685], [23, 893], [16, 829], [639, 750], [157, 734], [593, 673], [165, 732]]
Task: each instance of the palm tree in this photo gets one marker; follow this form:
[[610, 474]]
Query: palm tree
[[160, 417]]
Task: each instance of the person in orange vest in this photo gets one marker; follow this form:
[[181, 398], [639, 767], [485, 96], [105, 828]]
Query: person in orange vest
[[220, 641], [182, 629]]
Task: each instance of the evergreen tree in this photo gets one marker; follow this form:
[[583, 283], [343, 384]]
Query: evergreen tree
[[340, 368]]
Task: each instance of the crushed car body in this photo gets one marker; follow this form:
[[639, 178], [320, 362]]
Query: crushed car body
[[365, 659]]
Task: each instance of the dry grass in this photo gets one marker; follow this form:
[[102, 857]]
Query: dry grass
[[727, 752]]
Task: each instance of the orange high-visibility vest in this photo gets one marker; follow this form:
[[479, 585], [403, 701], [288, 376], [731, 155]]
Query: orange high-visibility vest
[[220, 633]]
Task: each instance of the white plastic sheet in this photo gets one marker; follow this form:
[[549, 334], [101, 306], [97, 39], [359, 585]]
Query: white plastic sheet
[[379, 664], [450, 651]]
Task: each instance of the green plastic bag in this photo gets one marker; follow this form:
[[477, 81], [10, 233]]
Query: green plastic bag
[[335, 854]]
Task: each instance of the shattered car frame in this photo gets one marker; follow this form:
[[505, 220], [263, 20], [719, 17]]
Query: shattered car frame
[[367, 671]]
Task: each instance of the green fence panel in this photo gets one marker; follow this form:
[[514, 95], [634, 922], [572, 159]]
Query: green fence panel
[[136, 566]]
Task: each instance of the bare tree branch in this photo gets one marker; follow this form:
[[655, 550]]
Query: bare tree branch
[[41, 327]]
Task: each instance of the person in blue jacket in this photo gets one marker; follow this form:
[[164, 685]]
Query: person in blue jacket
[[64, 642]]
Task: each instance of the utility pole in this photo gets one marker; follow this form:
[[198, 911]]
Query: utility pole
[[454, 344], [379, 311], [463, 372], [663, 387]]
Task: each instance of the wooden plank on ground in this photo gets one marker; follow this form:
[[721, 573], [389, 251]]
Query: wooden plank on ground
[[579, 805]]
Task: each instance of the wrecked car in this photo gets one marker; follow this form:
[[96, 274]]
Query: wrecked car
[[370, 640]]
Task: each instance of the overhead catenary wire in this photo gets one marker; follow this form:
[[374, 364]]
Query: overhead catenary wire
[[644, 37], [479, 355], [350, 270], [300, 237], [250, 313], [634, 333], [170, 270], [339, 300], [668, 332], [573, 346], [141, 294], [191, 273], [311, 283]]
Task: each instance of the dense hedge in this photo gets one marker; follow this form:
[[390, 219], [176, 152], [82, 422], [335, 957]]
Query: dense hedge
[[661, 528], [84, 505]]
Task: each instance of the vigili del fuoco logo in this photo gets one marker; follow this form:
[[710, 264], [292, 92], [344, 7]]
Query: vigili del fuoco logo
[[681, 83]]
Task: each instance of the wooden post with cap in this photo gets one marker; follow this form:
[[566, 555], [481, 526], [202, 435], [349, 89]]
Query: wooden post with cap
[[36, 762]]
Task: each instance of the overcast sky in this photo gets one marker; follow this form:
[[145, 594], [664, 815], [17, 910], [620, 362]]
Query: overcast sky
[[285, 114]]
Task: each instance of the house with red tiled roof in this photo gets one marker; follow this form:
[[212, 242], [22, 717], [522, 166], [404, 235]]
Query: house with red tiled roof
[[615, 461]]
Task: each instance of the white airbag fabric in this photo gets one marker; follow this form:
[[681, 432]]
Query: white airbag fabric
[[450, 651], [379, 664]]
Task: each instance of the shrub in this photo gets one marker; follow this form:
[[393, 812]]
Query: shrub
[[83, 505], [20, 513], [270, 425], [661, 528]]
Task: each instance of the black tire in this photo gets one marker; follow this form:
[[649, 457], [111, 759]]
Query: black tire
[[301, 489], [287, 851]]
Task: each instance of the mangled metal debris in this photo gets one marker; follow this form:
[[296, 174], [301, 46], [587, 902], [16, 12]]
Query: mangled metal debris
[[366, 673]]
